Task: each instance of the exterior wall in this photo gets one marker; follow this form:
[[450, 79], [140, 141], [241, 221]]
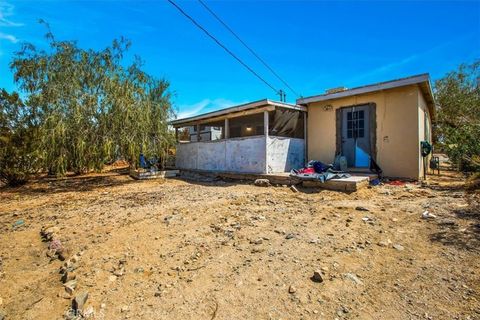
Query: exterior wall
[[285, 154], [397, 125], [424, 132], [246, 155], [243, 155]]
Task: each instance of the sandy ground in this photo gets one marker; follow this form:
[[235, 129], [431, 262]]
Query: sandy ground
[[225, 250]]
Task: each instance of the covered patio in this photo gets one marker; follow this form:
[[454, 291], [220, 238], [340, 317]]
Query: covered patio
[[259, 137]]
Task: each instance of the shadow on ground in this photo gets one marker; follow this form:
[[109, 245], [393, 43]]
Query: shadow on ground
[[462, 237], [71, 184]]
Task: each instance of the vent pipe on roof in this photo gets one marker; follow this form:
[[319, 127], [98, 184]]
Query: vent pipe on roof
[[335, 90]]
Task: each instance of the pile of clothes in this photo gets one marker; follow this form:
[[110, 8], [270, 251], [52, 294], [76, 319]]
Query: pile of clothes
[[319, 171]]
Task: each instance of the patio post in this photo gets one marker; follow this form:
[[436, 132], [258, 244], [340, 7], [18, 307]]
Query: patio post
[[226, 130], [265, 132]]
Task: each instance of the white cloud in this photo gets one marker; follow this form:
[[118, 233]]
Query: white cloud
[[8, 37], [6, 11], [206, 105]]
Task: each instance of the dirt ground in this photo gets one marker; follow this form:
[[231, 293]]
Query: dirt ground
[[228, 250]]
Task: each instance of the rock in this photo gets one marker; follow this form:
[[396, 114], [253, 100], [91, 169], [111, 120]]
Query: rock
[[384, 243], [317, 276], [70, 286], [68, 276], [428, 215], [293, 188], [292, 289], [262, 183], [353, 277], [361, 209], [89, 313], [290, 236], [398, 247], [112, 278], [49, 233], [79, 301], [125, 309]]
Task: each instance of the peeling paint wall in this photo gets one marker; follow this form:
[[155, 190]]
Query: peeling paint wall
[[246, 155], [285, 154]]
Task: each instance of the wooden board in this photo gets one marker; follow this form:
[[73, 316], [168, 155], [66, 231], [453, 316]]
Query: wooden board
[[144, 174], [351, 184]]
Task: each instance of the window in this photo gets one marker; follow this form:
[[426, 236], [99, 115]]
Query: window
[[356, 124]]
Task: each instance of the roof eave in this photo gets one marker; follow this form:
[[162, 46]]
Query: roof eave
[[367, 89]]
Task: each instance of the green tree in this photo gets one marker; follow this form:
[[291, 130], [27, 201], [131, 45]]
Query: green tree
[[92, 107], [19, 132], [458, 115]]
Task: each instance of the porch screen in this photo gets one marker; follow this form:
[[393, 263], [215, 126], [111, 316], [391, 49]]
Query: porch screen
[[286, 123]]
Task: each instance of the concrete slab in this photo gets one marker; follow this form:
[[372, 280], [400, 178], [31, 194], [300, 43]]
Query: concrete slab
[[354, 183]]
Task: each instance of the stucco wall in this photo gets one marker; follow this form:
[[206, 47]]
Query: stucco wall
[[422, 136], [285, 154], [397, 140], [245, 155]]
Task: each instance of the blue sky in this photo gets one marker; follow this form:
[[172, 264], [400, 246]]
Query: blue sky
[[313, 45]]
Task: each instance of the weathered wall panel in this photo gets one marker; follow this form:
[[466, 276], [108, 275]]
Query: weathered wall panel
[[285, 154], [246, 155], [243, 155], [186, 157], [211, 156]]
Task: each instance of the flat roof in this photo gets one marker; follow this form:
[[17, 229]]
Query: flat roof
[[421, 79], [235, 109]]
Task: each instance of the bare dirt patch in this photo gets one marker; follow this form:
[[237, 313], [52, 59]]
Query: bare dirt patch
[[222, 250]]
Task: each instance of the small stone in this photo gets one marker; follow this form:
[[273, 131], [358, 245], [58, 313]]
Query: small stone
[[398, 247], [68, 276], [353, 277], [125, 309], [384, 243], [293, 188], [262, 183], [79, 301], [70, 286], [290, 236], [112, 278], [88, 313], [317, 276], [361, 209], [292, 289]]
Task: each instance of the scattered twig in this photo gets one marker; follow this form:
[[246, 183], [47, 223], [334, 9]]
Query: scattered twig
[[198, 268], [34, 303], [215, 310]]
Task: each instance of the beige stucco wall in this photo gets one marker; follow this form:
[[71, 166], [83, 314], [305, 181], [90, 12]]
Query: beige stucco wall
[[423, 115], [397, 114]]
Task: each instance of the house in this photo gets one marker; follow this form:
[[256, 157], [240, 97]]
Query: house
[[384, 122]]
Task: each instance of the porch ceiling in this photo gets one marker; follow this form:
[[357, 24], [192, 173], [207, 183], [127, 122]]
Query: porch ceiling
[[236, 111]]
